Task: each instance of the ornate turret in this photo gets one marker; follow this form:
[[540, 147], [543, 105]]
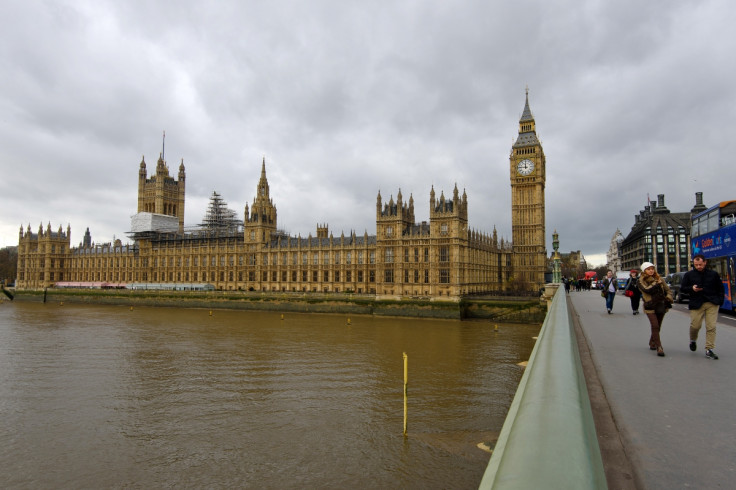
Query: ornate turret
[[261, 222], [162, 170], [42, 257], [161, 193], [449, 207], [448, 217]]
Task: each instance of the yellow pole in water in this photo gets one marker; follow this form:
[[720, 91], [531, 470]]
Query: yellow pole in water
[[406, 381]]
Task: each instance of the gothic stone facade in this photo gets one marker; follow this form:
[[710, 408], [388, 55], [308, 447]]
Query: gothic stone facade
[[161, 194], [440, 259], [528, 172]]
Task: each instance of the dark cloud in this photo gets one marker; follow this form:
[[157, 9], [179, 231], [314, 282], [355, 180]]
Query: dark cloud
[[345, 100]]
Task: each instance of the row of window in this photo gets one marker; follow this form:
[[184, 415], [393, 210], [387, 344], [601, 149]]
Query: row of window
[[42, 263], [674, 260], [444, 230], [169, 209], [273, 258], [42, 248], [414, 276]]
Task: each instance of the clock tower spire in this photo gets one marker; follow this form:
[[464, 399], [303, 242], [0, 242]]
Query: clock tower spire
[[528, 175]]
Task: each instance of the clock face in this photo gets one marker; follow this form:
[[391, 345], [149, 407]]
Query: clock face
[[525, 167]]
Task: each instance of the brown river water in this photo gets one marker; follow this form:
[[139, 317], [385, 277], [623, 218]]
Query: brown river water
[[109, 397]]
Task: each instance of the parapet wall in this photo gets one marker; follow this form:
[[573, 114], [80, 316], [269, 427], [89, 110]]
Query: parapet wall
[[501, 310], [549, 439]]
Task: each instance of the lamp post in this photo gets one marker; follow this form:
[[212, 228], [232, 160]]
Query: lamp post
[[556, 274]]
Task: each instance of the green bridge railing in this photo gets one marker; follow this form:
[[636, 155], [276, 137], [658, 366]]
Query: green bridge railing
[[548, 439]]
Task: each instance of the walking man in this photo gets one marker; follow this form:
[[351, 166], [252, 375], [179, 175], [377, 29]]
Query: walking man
[[610, 285], [706, 295]]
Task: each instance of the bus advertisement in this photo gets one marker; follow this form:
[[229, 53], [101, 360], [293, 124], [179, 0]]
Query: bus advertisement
[[713, 234]]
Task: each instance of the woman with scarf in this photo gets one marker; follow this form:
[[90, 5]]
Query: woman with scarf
[[657, 300]]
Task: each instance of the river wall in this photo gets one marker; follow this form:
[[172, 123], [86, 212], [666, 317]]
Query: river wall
[[505, 309]]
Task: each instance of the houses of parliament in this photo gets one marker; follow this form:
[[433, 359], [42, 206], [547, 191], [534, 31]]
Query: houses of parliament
[[439, 259]]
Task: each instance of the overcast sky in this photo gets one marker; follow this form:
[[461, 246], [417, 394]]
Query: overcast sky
[[346, 99]]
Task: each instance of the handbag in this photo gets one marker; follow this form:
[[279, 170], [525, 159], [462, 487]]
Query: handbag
[[603, 293], [628, 293]]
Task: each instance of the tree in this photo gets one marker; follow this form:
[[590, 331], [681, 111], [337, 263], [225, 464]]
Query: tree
[[517, 285], [601, 270], [8, 265]]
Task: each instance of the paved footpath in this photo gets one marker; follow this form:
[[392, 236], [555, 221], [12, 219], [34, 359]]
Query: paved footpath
[[676, 415]]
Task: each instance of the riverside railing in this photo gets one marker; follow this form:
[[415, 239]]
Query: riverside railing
[[548, 439]]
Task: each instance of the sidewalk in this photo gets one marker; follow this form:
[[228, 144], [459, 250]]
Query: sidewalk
[[676, 415]]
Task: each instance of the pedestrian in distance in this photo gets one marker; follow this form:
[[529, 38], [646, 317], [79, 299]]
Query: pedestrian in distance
[[608, 291], [632, 291], [657, 300], [706, 296]]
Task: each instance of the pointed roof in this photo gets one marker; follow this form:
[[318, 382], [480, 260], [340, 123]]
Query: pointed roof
[[527, 114], [161, 168], [263, 188], [527, 137]]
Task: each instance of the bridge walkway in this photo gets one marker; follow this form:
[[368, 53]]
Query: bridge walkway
[[675, 415]]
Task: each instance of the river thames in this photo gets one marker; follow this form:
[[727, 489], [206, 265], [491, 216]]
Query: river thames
[[109, 397]]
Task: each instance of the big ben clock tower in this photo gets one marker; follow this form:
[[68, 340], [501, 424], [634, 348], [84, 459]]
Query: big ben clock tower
[[528, 174]]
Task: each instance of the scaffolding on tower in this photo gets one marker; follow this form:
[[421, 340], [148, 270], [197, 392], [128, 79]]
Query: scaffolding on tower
[[219, 217]]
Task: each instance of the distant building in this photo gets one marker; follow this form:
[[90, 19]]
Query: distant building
[[572, 264], [613, 256], [660, 237], [442, 258]]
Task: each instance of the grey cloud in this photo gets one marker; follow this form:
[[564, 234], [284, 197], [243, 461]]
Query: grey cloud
[[345, 100]]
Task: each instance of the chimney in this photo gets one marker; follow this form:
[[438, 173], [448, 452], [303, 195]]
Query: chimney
[[660, 207], [699, 206]]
